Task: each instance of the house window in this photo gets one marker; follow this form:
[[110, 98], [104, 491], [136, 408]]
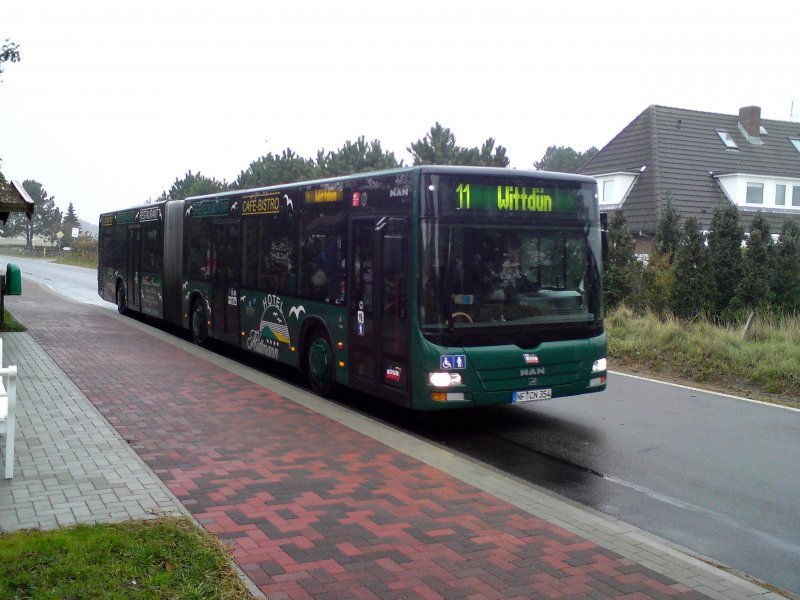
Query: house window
[[796, 143], [780, 195], [608, 191], [755, 193], [796, 195], [727, 139]]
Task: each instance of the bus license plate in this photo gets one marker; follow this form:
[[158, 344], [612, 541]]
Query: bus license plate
[[533, 395]]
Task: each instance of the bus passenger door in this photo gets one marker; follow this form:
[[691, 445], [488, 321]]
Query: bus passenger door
[[134, 268], [378, 312], [226, 267]]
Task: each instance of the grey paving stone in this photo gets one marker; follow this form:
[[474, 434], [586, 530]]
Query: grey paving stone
[[71, 464]]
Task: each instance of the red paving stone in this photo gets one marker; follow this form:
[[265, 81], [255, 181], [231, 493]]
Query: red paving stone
[[309, 507]]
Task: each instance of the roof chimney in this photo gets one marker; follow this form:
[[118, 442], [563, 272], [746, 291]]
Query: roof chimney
[[750, 120]]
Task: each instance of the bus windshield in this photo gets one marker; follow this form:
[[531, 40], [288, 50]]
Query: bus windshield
[[496, 275]]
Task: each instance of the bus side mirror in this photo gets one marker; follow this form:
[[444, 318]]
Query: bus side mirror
[[604, 236]]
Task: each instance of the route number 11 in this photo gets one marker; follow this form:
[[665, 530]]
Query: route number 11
[[463, 195]]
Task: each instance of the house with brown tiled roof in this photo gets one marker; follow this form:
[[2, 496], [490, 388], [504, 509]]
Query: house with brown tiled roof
[[696, 161]]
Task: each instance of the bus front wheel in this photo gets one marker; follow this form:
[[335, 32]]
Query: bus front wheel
[[198, 323], [320, 363]]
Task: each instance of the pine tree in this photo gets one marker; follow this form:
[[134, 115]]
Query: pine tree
[[754, 291], [438, 147], [193, 184], [658, 276], [274, 169], [70, 222], [691, 292], [355, 157], [564, 159], [668, 232], [786, 285], [725, 255], [620, 275]]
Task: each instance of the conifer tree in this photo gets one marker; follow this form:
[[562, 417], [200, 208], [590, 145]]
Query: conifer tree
[[355, 157], [725, 255], [564, 159], [9, 52], [658, 279], [754, 291], [668, 232], [193, 184], [70, 222], [786, 285], [620, 275], [438, 147], [691, 292], [658, 276], [274, 169]]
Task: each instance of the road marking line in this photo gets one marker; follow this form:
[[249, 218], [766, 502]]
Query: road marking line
[[694, 389]]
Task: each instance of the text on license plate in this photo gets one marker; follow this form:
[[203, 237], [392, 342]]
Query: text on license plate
[[532, 395]]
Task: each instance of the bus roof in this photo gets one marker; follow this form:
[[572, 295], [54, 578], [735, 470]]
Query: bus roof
[[454, 169], [418, 168]]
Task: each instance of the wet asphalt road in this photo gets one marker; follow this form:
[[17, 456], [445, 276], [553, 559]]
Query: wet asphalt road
[[718, 475]]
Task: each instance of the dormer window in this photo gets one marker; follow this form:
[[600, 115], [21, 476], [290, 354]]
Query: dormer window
[[608, 191], [727, 139], [796, 143], [755, 193]]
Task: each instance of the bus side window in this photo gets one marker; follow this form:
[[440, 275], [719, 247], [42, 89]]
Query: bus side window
[[199, 253], [323, 266]]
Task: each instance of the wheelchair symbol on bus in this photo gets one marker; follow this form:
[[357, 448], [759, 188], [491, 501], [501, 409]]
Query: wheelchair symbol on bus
[[453, 361]]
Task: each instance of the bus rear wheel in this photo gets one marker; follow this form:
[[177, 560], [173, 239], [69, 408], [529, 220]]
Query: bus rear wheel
[[122, 301], [198, 323], [320, 363]]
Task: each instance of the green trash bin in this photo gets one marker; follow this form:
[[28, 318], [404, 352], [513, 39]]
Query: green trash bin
[[13, 280]]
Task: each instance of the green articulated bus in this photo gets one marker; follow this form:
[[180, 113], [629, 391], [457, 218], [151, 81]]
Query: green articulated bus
[[431, 287]]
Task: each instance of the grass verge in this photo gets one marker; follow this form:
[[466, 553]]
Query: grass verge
[[764, 365], [11, 324], [88, 262], [165, 558]]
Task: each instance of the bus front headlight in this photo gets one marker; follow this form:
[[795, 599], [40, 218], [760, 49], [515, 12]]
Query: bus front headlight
[[600, 365], [444, 379]]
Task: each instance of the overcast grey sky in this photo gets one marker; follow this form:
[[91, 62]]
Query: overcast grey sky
[[112, 102]]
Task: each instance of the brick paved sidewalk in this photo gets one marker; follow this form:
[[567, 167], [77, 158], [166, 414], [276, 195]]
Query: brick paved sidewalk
[[313, 508]]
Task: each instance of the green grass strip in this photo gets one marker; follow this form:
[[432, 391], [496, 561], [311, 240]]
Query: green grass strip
[[11, 324], [167, 558]]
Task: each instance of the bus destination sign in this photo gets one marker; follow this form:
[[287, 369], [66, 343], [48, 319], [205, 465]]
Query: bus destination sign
[[512, 198], [324, 195]]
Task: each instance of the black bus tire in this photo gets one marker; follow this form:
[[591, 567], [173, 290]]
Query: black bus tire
[[122, 301], [198, 323], [320, 363]]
